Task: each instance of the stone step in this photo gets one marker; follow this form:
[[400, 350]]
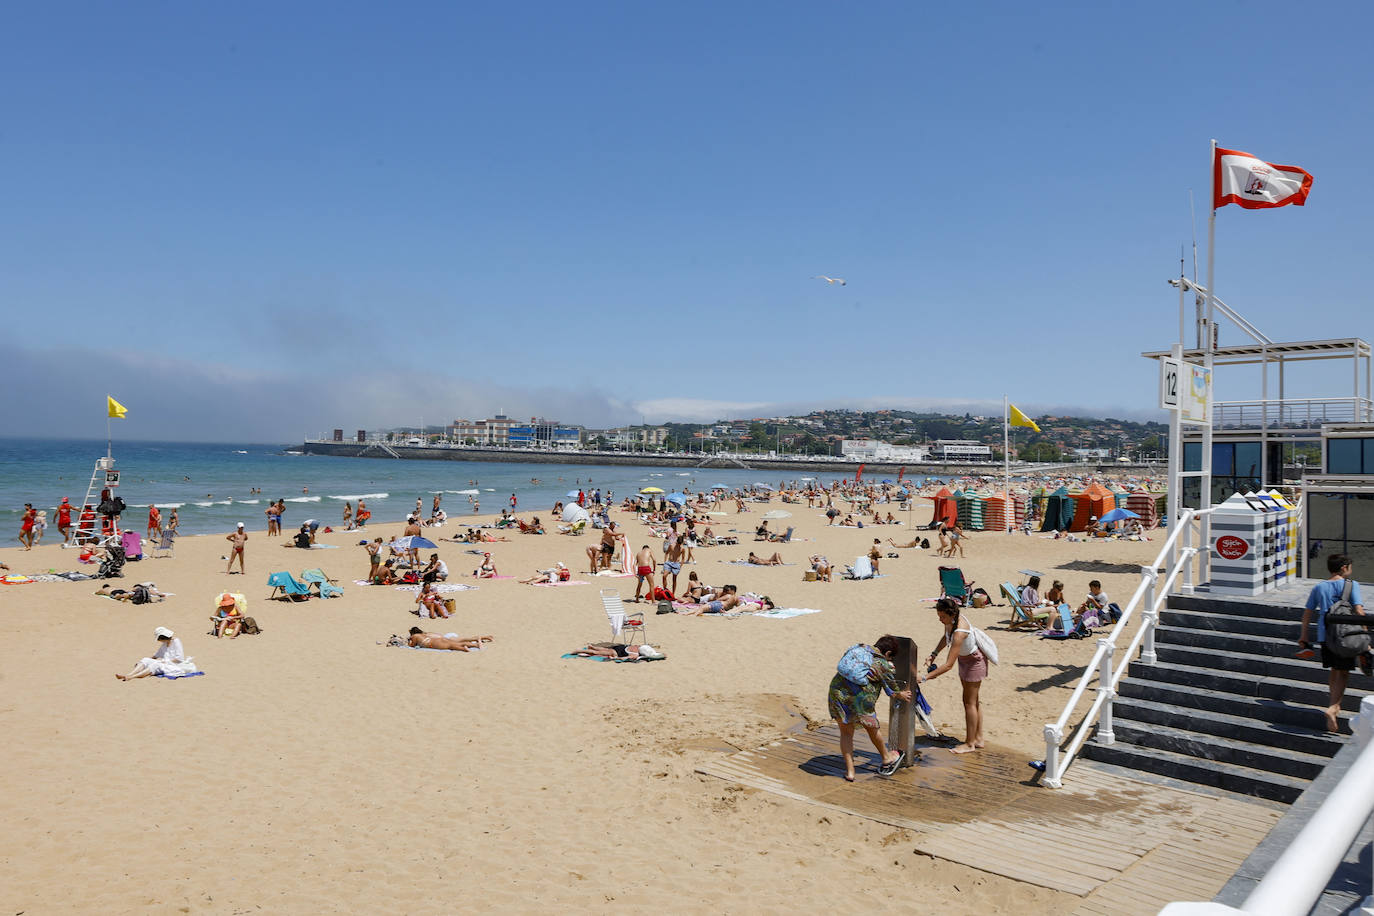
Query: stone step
[[1244, 685], [1250, 626], [1294, 669], [1278, 712], [1232, 642], [1229, 776], [1221, 749], [1235, 607], [1241, 728]]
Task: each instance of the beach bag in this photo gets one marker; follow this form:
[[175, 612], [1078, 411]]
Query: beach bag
[[450, 605], [140, 595], [1345, 640], [985, 644], [925, 543], [856, 665], [665, 607], [980, 598], [661, 594], [250, 626]]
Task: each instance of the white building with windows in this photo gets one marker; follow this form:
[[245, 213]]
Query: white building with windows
[[960, 450], [874, 450]]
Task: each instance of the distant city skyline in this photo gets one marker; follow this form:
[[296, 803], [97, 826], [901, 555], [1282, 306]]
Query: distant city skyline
[[258, 222]]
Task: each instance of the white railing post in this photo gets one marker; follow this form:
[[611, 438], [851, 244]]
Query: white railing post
[[1363, 730], [1147, 648], [1187, 539], [1105, 735], [1053, 738]]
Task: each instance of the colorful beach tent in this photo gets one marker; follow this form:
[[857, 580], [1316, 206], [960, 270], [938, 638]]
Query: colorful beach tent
[[1059, 509], [946, 509]]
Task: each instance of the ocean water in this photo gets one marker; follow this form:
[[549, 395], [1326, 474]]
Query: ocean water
[[211, 484]]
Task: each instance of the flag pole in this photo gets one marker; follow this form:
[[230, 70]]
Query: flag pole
[[1205, 490], [1006, 461]]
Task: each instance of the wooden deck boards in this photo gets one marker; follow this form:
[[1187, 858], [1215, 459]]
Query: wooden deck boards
[[1125, 846]]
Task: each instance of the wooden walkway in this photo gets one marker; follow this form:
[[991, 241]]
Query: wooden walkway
[[1124, 846]]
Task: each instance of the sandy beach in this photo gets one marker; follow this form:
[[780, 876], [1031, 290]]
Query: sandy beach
[[313, 770]]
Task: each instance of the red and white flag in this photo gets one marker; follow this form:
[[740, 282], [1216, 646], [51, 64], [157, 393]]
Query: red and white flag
[[1241, 179]]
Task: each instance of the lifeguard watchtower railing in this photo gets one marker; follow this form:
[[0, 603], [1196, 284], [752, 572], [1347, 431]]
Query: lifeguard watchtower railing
[[1292, 413]]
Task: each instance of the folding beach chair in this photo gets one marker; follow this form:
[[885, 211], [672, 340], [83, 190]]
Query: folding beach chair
[[1022, 617], [785, 538], [624, 625], [1066, 628], [954, 585], [165, 545], [285, 586], [321, 583]]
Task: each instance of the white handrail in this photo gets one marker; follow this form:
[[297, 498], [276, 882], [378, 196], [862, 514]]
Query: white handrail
[[1155, 593]]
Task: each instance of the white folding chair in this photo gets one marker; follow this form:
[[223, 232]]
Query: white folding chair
[[624, 625]]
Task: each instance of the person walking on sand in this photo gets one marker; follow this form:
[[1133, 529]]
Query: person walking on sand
[[64, 521], [237, 541], [645, 564], [348, 516], [973, 668], [673, 549], [26, 526], [851, 704], [154, 523], [1322, 597]]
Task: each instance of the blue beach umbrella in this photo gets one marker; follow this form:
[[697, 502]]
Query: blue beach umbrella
[[415, 542], [1116, 515], [571, 494], [676, 499]]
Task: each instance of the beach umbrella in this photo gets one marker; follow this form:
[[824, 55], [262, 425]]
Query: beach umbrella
[[647, 490], [885, 480], [1030, 572], [573, 513], [676, 499], [571, 494], [776, 514], [415, 542], [1116, 515]]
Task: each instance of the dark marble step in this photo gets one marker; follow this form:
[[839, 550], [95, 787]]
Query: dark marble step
[[1231, 777], [1242, 728], [1278, 712], [1243, 685], [1221, 749]]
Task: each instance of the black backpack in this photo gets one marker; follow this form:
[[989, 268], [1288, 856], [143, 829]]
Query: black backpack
[[1346, 640], [140, 595]]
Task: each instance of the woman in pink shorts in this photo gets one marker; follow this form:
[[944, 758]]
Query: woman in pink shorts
[[973, 668]]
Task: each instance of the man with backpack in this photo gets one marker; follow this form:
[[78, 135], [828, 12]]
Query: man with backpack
[[1340, 594]]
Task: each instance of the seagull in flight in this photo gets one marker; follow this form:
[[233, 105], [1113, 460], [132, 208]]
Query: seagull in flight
[[831, 280]]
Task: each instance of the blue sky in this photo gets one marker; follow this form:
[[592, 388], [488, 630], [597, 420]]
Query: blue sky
[[267, 220]]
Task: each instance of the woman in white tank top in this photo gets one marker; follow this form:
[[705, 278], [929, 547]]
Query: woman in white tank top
[[973, 668]]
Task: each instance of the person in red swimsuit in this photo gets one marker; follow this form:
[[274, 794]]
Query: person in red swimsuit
[[154, 523], [26, 526], [64, 521]]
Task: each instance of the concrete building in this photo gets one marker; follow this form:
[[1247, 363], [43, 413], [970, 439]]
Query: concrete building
[[494, 431], [875, 450], [542, 433], [960, 450], [638, 437]]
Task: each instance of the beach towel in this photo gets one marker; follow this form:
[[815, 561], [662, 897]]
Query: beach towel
[[493, 578], [747, 563], [176, 677], [602, 658], [783, 613], [15, 580], [615, 575], [557, 584]]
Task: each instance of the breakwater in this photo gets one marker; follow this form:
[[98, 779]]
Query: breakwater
[[819, 467]]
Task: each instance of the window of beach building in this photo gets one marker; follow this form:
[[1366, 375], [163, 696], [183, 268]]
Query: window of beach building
[[1350, 456], [1235, 469], [1344, 523]]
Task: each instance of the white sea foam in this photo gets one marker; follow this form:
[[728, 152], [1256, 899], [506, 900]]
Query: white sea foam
[[202, 505], [360, 496], [249, 502], [302, 499]]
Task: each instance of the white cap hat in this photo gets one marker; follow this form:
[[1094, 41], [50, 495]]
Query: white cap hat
[[163, 633], [240, 524]]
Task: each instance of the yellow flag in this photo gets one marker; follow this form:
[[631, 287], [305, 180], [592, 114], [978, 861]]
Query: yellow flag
[[1020, 419], [118, 410]]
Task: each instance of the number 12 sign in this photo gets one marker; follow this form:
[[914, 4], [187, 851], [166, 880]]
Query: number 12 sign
[[1169, 371]]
